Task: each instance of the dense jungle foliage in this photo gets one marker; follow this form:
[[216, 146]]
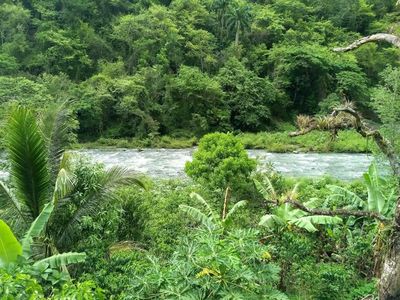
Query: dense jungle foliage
[[141, 69], [75, 230], [226, 75]]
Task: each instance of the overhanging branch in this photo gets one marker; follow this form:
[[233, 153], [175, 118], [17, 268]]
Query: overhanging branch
[[379, 37], [363, 129]]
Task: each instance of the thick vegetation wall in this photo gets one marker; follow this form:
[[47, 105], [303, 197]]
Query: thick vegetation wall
[[188, 67]]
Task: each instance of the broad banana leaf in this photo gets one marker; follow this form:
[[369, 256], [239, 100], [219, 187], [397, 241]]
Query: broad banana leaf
[[36, 228], [63, 259], [308, 222], [10, 248]]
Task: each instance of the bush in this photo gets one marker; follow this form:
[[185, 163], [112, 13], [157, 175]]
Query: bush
[[152, 217], [22, 285], [220, 162], [323, 281]]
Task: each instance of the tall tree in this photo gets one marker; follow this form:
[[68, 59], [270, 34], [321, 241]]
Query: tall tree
[[239, 18]]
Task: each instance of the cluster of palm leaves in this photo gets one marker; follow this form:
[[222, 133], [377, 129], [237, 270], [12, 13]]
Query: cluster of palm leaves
[[234, 16], [42, 181]]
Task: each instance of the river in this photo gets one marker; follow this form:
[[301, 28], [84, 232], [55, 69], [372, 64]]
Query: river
[[169, 163]]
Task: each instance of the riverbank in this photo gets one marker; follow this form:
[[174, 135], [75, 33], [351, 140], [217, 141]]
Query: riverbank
[[318, 141]]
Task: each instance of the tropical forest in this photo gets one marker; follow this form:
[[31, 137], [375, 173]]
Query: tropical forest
[[200, 149]]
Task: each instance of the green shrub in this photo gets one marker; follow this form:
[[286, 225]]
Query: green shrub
[[152, 217], [220, 162], [323, 281], [19, 285]]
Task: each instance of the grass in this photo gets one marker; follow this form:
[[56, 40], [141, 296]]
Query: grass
[[134, 143], [317, 141]]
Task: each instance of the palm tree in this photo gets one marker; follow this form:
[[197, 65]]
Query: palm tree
[[221, 7], [239, 17], [40, 173]]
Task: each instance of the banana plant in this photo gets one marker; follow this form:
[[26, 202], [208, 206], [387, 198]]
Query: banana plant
[[284, 215], [11, 248], [210, 219], [381, 198]]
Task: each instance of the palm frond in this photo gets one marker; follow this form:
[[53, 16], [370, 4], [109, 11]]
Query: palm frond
[[28, 158], [36, 228], [11, 209], [63, 259], [64, 185], [104, 194], [56, 127]]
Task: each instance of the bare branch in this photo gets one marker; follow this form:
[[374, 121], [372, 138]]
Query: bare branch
[[363, 129], [303, 131], [379, 37]]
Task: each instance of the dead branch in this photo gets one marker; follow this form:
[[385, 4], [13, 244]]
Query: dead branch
[[379, 37], [363, 129]]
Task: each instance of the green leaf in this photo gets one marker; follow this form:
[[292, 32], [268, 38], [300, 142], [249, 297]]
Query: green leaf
[[27, 154], [56, 128], [11, 210], [113, 178], [10, 248], [375, 185], [228, 217], [198, 216], [266, 190], [338, 192], [271, 221], [36, 228], [204, 203], [65, 183], [59, 260], [308, 222]]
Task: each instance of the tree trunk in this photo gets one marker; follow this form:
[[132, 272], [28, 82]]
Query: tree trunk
[[389, 285], [237, 35]]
